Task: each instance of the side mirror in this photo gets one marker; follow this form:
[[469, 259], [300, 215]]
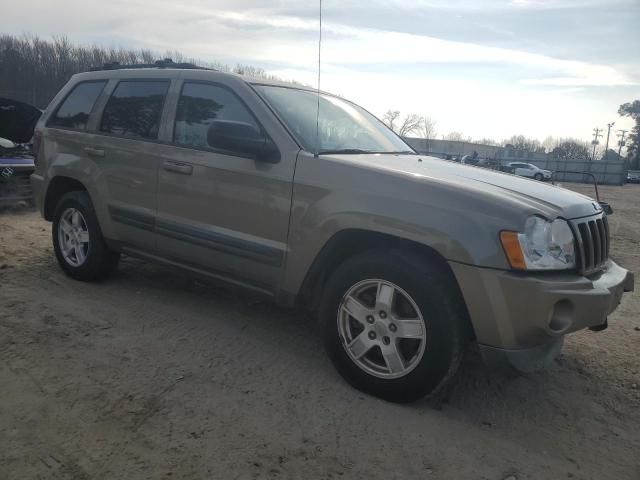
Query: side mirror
[[242, 138]]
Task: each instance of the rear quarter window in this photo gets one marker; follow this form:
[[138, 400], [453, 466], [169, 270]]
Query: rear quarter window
[[75, 109], [135, 108]]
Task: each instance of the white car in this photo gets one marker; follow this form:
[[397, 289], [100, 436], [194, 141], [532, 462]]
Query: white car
[[529, 170]]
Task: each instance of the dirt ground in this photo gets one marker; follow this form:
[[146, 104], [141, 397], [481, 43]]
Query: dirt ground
[[153, 375]]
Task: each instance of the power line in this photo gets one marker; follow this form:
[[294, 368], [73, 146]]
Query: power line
[[595, 142], [621, 134], [606, 148]]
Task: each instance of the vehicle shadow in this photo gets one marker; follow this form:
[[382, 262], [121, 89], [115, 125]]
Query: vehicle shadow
[[477, 394]]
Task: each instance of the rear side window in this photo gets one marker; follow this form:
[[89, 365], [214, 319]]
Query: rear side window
[[75, 109], [134, 109], [199, 105]]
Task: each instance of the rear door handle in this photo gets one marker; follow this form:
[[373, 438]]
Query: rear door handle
[[94, 152], [178, 167]]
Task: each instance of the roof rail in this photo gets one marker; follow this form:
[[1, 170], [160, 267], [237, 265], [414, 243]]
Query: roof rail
[[165, 63]]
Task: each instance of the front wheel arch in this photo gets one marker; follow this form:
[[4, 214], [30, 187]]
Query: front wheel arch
[[350, 242]]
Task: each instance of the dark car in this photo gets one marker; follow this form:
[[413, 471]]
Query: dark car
[[17, 122]]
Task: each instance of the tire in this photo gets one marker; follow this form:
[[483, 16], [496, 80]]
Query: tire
[[538, 176], [439, 308], [86, 261]]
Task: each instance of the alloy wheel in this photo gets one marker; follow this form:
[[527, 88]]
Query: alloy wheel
[[73, 237], [381, 328]]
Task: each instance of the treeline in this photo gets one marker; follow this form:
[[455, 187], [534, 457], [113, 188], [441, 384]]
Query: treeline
[[33, 70], [414, 125]]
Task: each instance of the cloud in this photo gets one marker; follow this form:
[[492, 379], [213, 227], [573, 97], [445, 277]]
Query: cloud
[[490, 68], [346, 45]]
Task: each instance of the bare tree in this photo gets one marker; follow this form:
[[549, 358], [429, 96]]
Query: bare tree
[[487, 141], [571, 149], [428, 131], [390, 117], [455, 137], [567, 148], [428, 127], [412, 123], [520, 142]]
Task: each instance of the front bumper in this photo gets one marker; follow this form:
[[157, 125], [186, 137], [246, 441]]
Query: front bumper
[[518, 312], [14, 181]]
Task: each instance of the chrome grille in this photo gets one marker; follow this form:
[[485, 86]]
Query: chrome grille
[[592, 238]]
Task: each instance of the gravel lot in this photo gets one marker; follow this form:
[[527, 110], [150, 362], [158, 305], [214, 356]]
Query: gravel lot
[[154, 375]]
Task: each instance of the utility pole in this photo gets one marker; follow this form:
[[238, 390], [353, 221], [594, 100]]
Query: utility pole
[[595, 141], [621, 134], [606, 149]]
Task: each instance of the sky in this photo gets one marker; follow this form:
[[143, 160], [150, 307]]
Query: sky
[[485, 68]]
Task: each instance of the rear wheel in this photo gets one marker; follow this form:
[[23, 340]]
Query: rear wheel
[[393, 325], [77, 239]]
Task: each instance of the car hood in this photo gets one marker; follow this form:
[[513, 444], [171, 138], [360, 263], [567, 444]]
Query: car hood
[[549, 200], [17, 120]]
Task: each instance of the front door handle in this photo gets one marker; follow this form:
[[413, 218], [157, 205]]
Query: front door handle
[[94, 152], [178, 167]]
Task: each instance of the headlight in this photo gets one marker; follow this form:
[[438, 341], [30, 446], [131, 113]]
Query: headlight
[[543, 245]]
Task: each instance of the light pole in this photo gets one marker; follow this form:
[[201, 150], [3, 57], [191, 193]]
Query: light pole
[[606, 149]]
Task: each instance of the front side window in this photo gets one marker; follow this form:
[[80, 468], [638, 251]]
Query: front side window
[[199, 105], [340, 126], [75, 109], [134, 109]]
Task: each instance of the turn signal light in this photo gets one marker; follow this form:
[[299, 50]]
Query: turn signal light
[[512, 249]]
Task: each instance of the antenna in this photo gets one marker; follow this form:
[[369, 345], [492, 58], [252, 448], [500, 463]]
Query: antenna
[[318, 91]]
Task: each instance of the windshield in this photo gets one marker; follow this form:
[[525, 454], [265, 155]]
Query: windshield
[[343, 127]]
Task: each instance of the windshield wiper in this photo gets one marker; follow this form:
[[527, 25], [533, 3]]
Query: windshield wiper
[[346, 151]]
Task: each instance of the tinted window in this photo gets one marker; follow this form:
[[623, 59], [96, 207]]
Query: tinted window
[[135, 108], [199, 105], [74, 111]]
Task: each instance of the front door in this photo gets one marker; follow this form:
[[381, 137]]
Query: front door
[[222, 211]]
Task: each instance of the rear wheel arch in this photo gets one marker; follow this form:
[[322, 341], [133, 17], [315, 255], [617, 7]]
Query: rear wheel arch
[[350, 242], [57, 188]]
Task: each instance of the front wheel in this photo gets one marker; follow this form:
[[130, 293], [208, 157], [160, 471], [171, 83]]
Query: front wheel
[[538, 176], [79, 246], [393, 325]]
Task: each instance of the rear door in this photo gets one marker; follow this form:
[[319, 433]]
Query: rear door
[[127, 151], [222, 211]]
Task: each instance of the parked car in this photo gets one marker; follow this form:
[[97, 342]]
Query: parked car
[[529, 170], [16, 166], [17, 122], [404, 259], [633, 176]]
